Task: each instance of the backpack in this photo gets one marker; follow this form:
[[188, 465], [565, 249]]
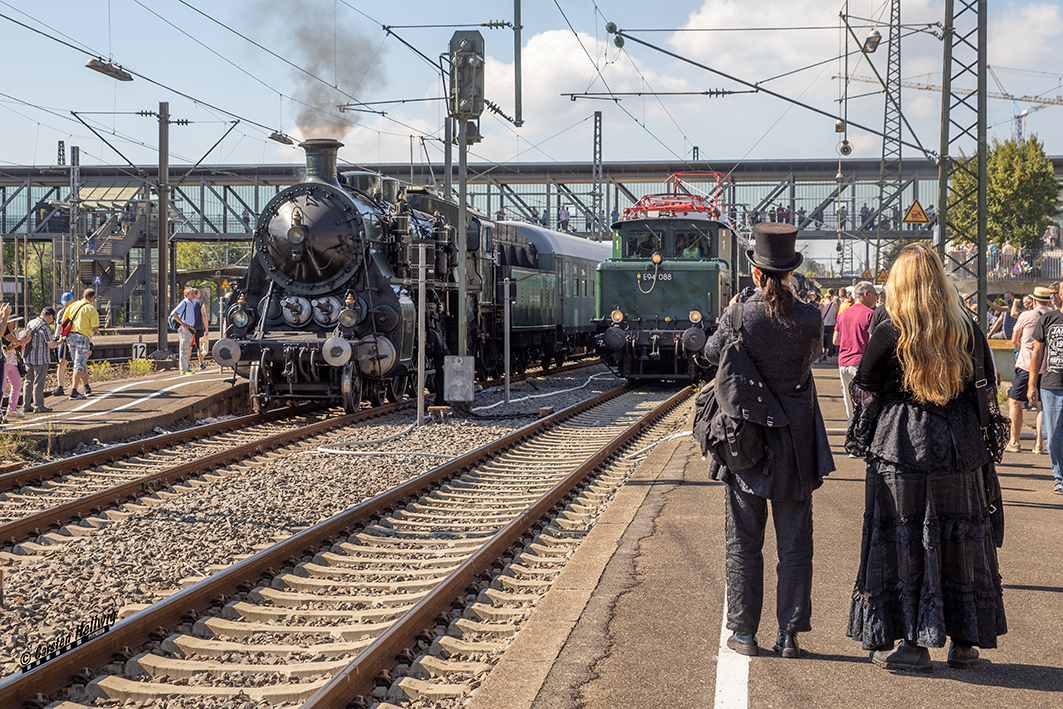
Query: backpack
[[173, 322], [68, 321], [733, 418]]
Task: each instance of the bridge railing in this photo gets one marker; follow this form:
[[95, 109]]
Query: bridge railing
[[1017, 265]]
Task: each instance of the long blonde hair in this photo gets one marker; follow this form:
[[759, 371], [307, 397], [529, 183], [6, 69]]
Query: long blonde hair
[[935, 332]]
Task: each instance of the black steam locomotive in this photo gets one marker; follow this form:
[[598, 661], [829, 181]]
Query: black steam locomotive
[[327, 310]]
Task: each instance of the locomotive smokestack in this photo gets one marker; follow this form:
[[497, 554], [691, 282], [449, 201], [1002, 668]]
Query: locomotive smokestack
[[321, 157]]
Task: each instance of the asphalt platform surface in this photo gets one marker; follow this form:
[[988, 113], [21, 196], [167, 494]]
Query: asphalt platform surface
[[635, 619]]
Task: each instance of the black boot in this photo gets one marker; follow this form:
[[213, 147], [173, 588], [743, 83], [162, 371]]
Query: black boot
[[906, 656], [962, 654], [744, 644], [786, 645]]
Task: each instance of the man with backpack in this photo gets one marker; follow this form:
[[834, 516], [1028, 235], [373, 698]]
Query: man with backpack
[[63, 352], [184, 318], [38, 359], [80, 323]]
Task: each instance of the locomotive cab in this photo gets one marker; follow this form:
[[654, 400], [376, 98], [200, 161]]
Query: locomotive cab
[[674, 268]]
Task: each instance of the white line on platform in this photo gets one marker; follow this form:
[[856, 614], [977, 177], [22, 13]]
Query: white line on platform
[[732, 672], [59, 417]]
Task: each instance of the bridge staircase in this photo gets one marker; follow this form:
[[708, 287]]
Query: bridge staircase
[[104, 258]]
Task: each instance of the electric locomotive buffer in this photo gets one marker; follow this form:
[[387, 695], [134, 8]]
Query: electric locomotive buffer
[[674, 268]]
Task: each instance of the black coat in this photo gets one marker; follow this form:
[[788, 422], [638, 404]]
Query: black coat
[[783, 352]]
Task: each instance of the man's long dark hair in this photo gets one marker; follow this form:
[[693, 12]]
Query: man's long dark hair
[[778, 300]]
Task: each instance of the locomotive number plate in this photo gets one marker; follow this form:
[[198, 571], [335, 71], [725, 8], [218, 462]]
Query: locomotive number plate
[[659, 276]]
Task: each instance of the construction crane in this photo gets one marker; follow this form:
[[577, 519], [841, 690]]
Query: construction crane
[[1057, 101], [1019, 117]]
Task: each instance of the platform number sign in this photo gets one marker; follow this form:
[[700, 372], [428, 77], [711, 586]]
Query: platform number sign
[[140, 350]]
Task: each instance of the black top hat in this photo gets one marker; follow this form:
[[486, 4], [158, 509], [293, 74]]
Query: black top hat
[[774, 247]]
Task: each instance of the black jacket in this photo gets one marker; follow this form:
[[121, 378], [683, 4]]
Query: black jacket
[[783, 352]]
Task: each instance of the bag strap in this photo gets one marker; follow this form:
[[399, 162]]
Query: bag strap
[[736, 316], [981, 383]]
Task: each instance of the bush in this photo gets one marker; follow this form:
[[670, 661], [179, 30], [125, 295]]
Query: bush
[[140, 367], [101, 371]]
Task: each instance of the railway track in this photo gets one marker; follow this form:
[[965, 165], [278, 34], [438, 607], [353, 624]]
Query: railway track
[[61, 497], [314, 615]]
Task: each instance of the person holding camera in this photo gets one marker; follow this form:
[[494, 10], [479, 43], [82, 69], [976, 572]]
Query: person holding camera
[[783, 337], [185, 317]]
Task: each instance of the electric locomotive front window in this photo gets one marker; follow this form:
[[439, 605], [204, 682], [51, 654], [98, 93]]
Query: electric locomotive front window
[[693, 244], [641, 244]]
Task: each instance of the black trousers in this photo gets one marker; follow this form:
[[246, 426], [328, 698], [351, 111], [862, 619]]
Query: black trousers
[[747, 517]]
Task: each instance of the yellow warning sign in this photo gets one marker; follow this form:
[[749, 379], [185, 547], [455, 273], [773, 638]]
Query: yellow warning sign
[[866, 274], [915, 214], [882, 276]]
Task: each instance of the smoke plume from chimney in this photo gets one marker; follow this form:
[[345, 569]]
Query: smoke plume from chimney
[[323, 38]]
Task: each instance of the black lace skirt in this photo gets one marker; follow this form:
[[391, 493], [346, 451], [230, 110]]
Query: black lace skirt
[[928, 563]]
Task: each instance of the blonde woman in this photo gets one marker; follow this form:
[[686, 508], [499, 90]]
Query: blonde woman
[[928, 563]]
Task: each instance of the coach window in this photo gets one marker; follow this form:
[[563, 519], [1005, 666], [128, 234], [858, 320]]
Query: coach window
[[583, 272], [568, 279]]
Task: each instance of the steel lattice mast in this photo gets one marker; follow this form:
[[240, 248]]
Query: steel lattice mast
[[963, 128], [890, 182]]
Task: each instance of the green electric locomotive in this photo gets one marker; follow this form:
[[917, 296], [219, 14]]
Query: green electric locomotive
[[675, 266]]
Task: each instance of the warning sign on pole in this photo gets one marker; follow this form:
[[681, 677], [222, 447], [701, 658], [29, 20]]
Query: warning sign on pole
[[866, 274], [882, 276], [915, 214]]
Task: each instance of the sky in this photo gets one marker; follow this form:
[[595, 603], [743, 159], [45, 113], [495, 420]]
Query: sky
[[284, 65]]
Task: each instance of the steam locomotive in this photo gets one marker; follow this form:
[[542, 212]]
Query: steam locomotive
[[327, 309]]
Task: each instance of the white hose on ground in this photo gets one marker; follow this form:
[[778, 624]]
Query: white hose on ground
[[666, 438], [549, 393]]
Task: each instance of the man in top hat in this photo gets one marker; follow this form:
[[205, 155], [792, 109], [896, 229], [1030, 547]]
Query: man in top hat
[[1023, 339], [783, 336]]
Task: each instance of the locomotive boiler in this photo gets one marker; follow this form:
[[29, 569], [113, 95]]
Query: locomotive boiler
[[327, 309]]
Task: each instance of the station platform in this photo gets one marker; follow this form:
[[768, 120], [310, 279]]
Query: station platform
[[636, 618], [126, 408]]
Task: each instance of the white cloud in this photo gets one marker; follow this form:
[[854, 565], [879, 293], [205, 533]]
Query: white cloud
[[1026, 36]]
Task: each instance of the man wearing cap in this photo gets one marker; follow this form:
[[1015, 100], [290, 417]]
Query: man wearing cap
[[782, 337], [63, 352], [1023, 338], [1048, 350], [38, 358]]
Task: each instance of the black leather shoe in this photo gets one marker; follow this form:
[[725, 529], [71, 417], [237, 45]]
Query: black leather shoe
[[786, 645], [744, 644], [962, 655], [906, 657]]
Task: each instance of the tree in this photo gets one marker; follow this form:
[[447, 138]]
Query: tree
[[812, 268], [1021, 193]]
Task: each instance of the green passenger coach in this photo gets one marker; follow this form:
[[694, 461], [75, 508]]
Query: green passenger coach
[[674, 267]]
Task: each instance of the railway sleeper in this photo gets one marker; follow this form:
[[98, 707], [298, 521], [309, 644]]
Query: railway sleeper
[[501, 598], [415, 690], [328, 558], [314, 570], [292, 600], [236, 630], [428, 666], [284, 582], [489, 613], [446, 646], [466, 628], [158, 667], [385, 549], [184, 645], [241, 610], [124, 690]]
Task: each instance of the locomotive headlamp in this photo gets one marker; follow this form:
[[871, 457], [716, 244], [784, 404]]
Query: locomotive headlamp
[[348, 318], [240, 319], [297, 232], [695, 316], [656, 258], [617, 315]]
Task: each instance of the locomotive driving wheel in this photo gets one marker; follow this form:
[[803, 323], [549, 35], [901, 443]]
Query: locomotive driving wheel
[[395, 389], [351, 388], [259, 403], [376, 393]]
